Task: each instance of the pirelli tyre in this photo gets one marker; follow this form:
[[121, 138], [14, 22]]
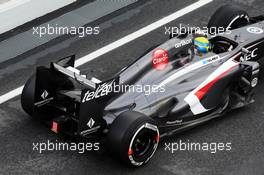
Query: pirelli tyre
[[134, 138], [227, 17], [27, 96]]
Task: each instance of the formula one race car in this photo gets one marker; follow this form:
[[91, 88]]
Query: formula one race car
[[165, 91]]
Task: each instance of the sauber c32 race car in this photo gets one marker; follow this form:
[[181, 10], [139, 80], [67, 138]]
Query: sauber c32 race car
[[190, 89]]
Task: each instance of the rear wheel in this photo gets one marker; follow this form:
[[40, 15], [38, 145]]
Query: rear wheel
[[27, 96], [228, 17], [134, 138]]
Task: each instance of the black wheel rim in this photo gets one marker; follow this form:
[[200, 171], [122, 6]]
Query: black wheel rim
[[143, 144]]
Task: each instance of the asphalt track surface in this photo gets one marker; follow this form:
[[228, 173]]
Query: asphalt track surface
[[244, 128]]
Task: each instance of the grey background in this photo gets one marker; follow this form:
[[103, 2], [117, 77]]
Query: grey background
[[244, 128]]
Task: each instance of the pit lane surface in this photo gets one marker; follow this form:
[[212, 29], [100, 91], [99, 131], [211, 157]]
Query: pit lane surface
[[243, 128]]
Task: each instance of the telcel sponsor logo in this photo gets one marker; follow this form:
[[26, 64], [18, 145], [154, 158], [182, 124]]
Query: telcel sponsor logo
[[160, 59], [183, 43], [102, 90]]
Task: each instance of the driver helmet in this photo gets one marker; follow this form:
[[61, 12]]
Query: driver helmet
[[201, 45]]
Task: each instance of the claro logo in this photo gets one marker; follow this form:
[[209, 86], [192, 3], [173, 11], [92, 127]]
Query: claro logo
[[160, 59], [102, 90]]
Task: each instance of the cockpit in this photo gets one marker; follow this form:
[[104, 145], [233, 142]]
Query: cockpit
[[216, 45], [221, 45]]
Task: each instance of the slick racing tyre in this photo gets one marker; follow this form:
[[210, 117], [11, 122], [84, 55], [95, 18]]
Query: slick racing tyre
[[228, 17], [27, 96], [134, 138]]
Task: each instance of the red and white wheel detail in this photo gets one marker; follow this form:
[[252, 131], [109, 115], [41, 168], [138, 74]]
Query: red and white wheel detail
[[143, 144]]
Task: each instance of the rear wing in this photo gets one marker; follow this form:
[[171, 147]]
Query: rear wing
[[66, 67], [75, 74], [59, 76], [58, 93]]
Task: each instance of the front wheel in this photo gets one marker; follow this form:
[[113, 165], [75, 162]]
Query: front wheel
[[228, 17], [134, 138]]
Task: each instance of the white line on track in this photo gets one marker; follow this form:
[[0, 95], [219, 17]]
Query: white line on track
[[11, 4], [121, 42]]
